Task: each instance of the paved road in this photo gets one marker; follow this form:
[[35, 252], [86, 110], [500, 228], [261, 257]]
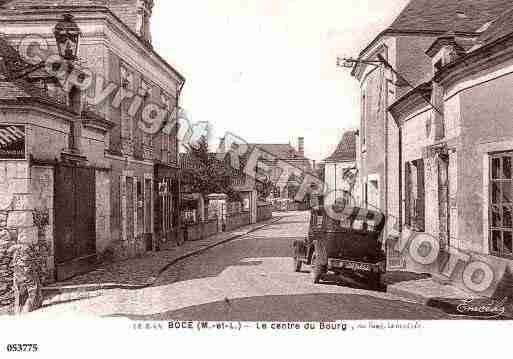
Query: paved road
[[250, 278]]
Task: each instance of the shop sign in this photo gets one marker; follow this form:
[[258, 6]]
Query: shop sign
[[12, 142]]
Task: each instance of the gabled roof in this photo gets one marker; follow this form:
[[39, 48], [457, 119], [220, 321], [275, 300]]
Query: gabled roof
[[279, 150], [346, 149], [441, 15], [436, 17]]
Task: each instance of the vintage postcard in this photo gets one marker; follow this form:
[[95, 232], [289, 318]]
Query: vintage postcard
[[320, 168]]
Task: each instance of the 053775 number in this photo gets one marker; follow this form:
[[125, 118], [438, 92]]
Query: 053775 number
[[22, 348]]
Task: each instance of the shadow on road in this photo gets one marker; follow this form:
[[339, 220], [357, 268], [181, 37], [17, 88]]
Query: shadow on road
[[235, 253], [304, 307]]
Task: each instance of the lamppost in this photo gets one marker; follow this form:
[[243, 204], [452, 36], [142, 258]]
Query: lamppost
[[67, 36]]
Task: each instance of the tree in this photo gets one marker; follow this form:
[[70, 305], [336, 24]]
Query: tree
[[264, 188], [208, 174]]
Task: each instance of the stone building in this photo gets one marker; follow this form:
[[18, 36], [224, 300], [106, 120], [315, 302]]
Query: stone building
[[87, 161], [458, 152], [273, 158], [403, 45], [436, 137]]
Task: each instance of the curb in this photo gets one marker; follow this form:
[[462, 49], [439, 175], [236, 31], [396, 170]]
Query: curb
[[410, 296], [106, 286]]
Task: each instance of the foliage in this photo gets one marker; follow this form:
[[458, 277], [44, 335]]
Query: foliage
[[41, 217], [210, 175], [264, 188]]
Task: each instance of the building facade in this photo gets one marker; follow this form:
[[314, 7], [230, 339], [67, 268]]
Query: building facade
[[124, 168], [402, 45], [457, 157], [284, 165], [442, 125], [340, 171]]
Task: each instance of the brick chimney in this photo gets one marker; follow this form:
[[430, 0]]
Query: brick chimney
[[301, 146]]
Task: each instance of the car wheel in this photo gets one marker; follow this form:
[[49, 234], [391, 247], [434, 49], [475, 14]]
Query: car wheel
[[297, 264]]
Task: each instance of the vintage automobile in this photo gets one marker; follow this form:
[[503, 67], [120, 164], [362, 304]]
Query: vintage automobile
[[343, 240]]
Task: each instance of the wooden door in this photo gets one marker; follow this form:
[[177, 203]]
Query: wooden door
[[75, 220]]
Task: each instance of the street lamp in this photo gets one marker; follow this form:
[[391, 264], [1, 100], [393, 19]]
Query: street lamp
[[67, 34]]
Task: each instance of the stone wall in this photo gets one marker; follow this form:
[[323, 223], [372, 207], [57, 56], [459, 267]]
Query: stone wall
[[237, 220], [42, 184], [264, 212], [19, 215], [202, 230]]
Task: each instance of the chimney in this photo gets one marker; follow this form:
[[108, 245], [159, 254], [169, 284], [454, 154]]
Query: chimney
[[301, 146], [222, 146]]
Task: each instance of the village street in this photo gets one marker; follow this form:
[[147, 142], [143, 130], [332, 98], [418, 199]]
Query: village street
[[249, 278]]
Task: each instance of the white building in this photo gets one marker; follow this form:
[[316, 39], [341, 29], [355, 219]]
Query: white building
[[340, 170]]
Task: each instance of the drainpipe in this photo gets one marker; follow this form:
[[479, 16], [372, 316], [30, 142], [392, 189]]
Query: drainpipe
[[400, 149], [177, 152]]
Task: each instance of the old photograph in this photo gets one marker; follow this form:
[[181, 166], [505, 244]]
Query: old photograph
[[256, 163]]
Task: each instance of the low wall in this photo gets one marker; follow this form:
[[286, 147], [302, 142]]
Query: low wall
[[264, 213], [235, 221], [201, 230], [289, 206]]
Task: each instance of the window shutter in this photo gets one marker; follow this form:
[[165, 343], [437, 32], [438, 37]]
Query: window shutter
[[407, 198], [420, 220]]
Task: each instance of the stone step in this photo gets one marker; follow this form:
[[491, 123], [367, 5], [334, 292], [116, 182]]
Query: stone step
[[421, 291]]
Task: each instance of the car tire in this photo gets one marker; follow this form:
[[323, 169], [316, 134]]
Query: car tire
[[297, 264]]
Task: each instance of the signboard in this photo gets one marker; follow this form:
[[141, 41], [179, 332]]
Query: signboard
[[12, 142]]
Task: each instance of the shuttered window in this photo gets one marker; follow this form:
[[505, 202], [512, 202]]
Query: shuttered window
[[414, 195], [500, 205]]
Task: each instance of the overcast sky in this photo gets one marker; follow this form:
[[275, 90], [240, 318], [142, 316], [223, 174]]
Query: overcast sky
[[265, 69]]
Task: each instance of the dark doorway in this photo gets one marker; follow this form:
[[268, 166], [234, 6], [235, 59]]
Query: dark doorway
[[75, 220]]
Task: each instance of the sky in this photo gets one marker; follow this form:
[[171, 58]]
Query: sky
[[265, 70]]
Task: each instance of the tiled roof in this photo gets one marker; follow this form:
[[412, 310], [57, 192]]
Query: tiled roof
[[13, 63], [441, 15], [279, 150], [189, 161], [500, 27], [346, 149]]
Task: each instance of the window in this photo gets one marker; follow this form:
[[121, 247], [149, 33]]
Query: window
[[146, 94], [500, 200], [165, 138], [127, 84], [438, 65], [140, 207], [364, 110], [414, 195]]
